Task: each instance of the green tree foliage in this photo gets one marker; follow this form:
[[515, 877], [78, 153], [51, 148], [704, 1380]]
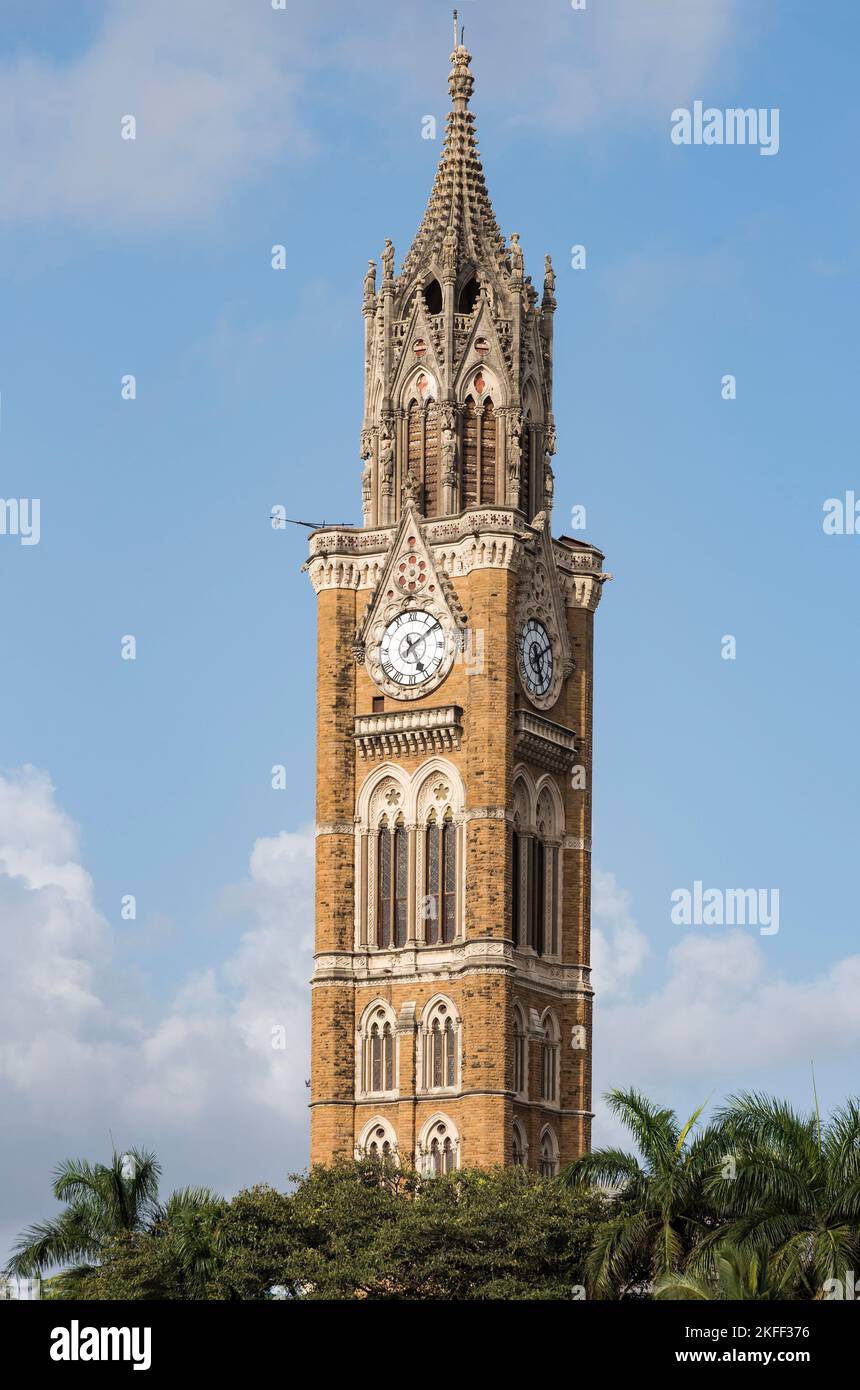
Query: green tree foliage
[[112, 1212], [794, 1199], [658, 1208], [358, 1230]]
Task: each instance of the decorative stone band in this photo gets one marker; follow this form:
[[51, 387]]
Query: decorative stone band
[[489, 813], [575, 842], [342, 829], [399, 733], [426, 963], [543, 741], [486, 538]]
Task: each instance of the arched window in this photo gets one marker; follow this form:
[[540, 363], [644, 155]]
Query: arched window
[[520, 1052], [383, 878], [431, 460], [537, 893], [516, 886], [433, 296], [441, 881], [549, 1051], [377, 1140], [378, 1051], [469, 486], [468, 296], [518, 1148], [441, 1047], [393, 883], [536, 889], [526, 472], [488, 455], [415, 440], [548, 1153], [438, 1146]]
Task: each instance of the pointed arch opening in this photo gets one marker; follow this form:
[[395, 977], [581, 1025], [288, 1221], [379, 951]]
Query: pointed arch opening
[[468, 296], [433, 297]]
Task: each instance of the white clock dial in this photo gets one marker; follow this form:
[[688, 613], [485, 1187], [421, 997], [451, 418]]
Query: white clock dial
[[412, 648], [536, 659]]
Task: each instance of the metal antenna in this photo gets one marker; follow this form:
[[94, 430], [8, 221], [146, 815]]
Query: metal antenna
[[311, 525]]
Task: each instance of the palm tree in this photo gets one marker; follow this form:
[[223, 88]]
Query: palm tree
[[795, 1196], [658, 1208], [106, 1203], [733, 1276]]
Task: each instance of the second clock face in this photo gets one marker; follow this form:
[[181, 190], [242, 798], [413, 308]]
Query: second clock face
[[412, 648], [536, 659]]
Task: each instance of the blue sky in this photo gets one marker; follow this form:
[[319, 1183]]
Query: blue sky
[[152, 777]]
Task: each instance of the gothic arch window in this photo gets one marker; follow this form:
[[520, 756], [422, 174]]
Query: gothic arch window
[[488, 454], [433, 296], [409, 856], [423, 443], [378, 1051], [548, 1152], [521, 1052], [440, 896], [439, 1147], [469, 453], [468, 297], [432, 495], [440, 1046], [549, 1058], [518, 1147], [377, 1140], [415, 439], [536, 868], [393, 884], [526, 470]]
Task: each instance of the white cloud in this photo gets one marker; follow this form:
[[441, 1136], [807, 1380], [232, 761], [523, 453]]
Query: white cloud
[[618, 947], [721, 1020], [212, 87], [220, 91], [202, 1085]]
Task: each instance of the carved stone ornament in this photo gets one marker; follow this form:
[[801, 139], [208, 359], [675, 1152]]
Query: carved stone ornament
[[409, 581], [541, 598]]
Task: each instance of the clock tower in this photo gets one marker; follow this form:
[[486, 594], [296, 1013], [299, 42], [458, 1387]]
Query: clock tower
[[451, 989]]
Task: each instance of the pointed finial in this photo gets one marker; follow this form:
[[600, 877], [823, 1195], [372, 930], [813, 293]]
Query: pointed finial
[[460, 80]]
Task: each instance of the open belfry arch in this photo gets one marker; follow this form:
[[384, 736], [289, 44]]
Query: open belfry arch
[[451, 990]]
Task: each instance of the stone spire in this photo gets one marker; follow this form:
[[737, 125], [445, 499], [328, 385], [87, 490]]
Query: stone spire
[[459, 220], [457, 353]]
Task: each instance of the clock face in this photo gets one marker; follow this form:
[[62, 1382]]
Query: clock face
[[412, 648], [536, 660]]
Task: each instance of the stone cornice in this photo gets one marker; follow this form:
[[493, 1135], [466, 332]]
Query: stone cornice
[[483, 538], [440, 964], [543, 741], [403, 733]]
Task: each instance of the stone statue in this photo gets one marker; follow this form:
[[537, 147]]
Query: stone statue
[[449, 445], [370, 283], [449, 251], [386, 457], [388, 260], [517, 262], [548, 276]]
